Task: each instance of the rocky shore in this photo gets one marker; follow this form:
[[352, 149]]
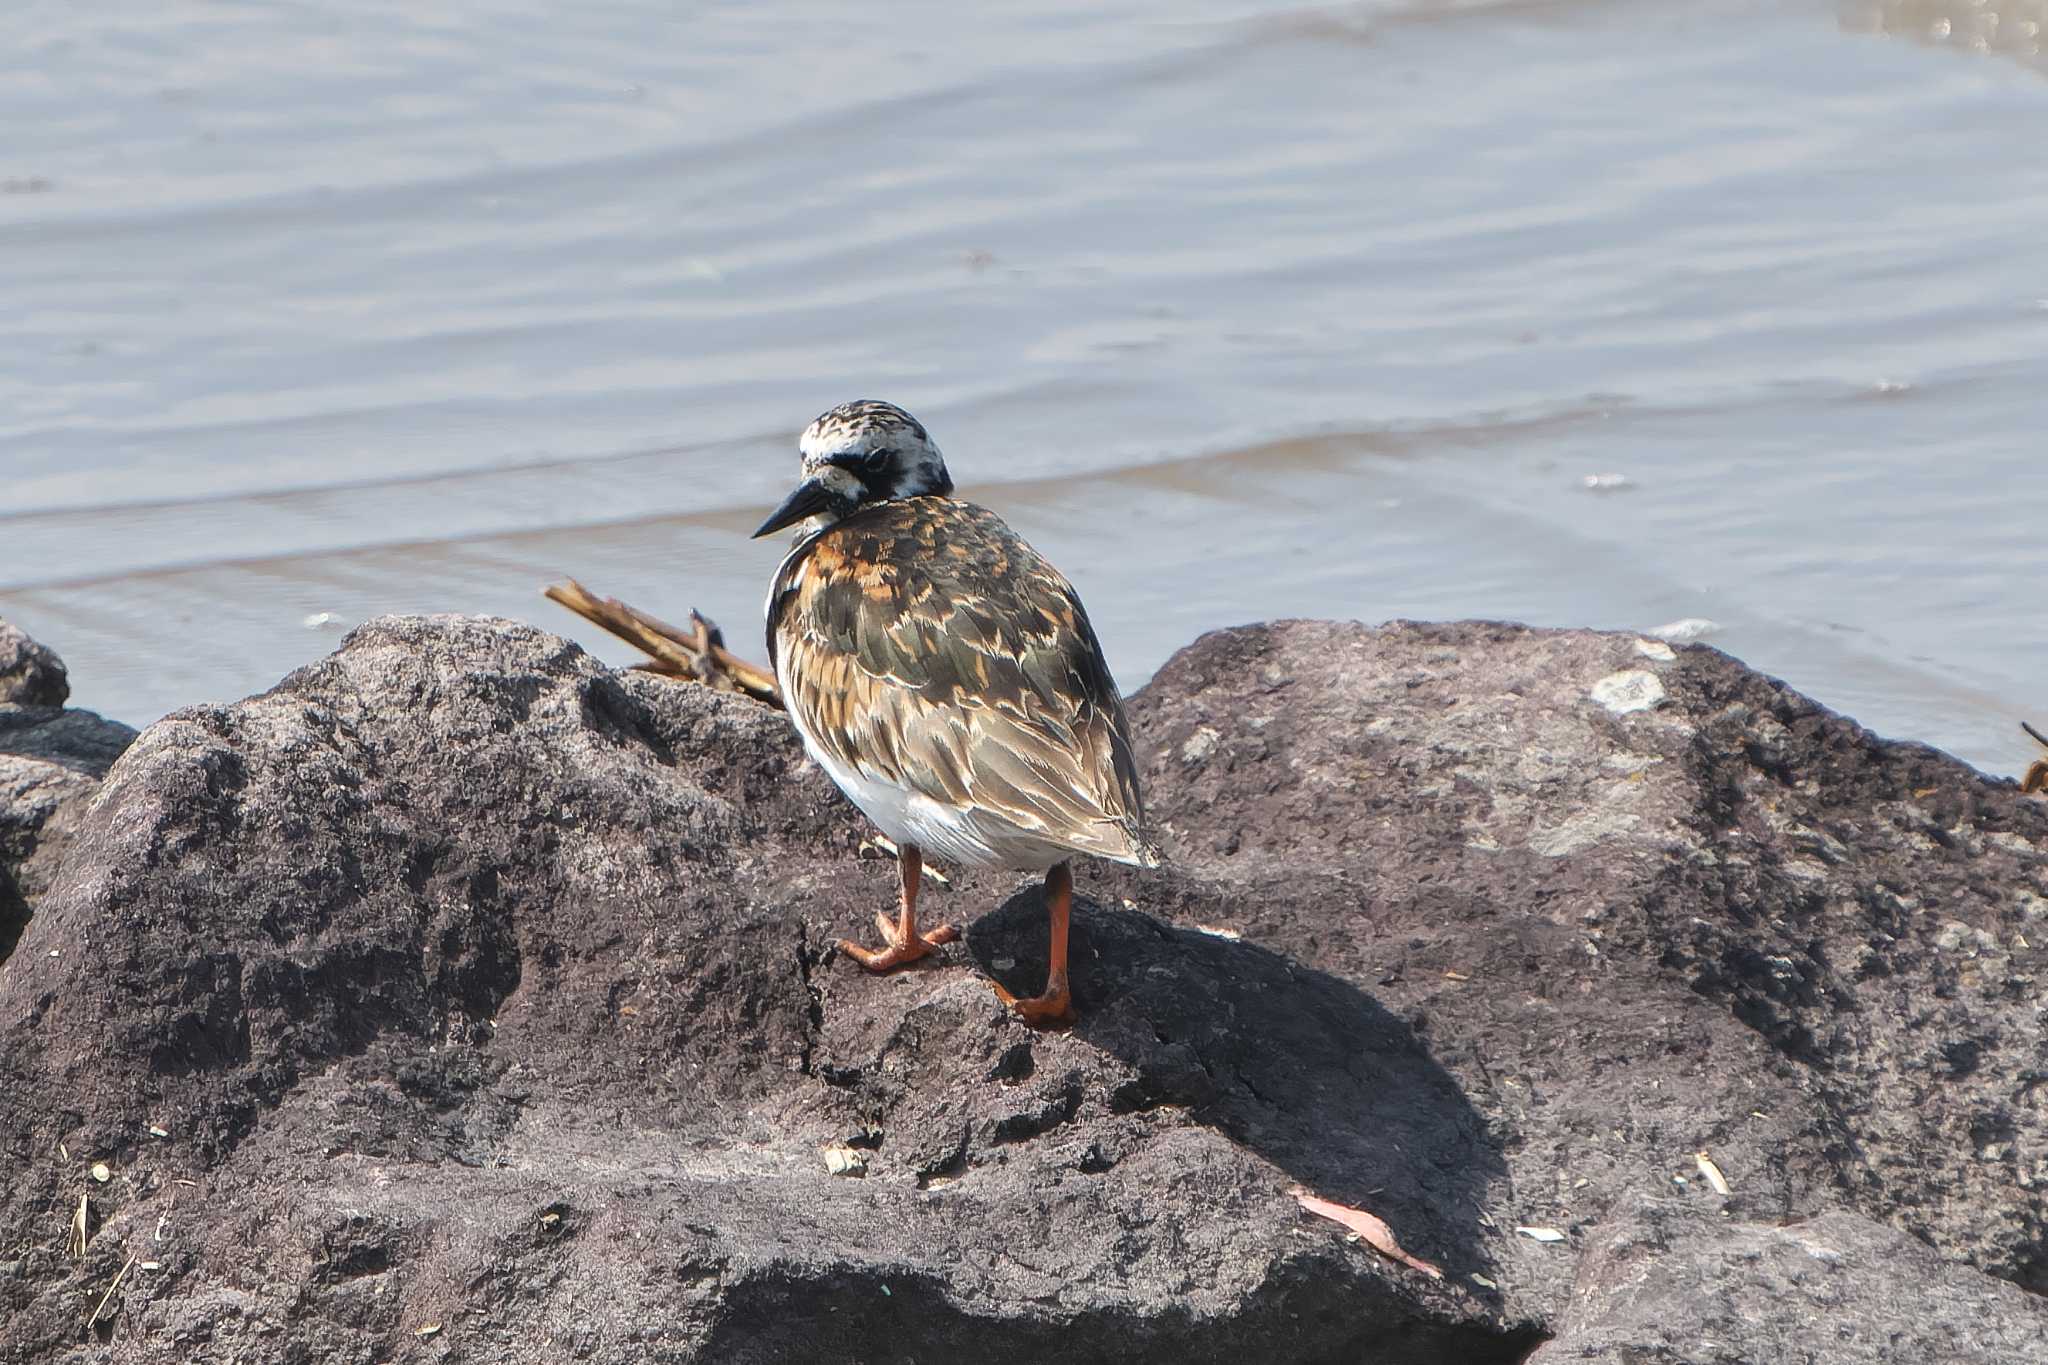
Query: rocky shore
[[462, 999]]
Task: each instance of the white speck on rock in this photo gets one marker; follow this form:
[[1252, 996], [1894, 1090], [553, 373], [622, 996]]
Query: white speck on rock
[[1686, 628], [1606, 483], [1655, 649], [843, 1160], [1199, 745], [1954, 934], [1581, 831], [1628, 691]]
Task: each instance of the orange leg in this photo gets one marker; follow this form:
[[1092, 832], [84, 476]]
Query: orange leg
[[903, 942], [1055, 1006]]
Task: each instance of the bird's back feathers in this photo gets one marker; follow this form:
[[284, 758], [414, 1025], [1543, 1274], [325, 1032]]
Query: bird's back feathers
[[922, 645]]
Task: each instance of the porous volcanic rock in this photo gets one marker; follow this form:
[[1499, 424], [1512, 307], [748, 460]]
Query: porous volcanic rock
[[463, 999], [51, 763]]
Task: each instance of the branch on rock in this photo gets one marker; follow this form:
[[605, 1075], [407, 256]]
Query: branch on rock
[[694, 655], [2036, 779]]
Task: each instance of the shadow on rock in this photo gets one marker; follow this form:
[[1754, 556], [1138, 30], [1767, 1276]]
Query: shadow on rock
[[1297, 1066]]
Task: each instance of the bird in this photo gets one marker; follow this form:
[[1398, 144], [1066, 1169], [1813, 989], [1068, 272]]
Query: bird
[[946, 677]]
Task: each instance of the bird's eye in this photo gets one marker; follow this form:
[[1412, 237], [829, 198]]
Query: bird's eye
[[875, 461]]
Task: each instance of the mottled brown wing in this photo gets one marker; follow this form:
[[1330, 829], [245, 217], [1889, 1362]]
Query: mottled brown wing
[[924, 644]]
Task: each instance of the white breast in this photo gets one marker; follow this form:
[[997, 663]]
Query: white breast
[[945, 833]]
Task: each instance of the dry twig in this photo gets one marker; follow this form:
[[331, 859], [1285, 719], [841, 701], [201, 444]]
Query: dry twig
[[99, 1307], [1374, 1230], [2036, 779], [696, 655]]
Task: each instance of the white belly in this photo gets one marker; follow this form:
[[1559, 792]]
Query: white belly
[[943, 833]]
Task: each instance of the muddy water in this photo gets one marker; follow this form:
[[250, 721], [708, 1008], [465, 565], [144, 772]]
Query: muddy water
[[1576, 313]]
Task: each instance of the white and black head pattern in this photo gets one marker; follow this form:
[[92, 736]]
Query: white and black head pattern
[[858, 453]]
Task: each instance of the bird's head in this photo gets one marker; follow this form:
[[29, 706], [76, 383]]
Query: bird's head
[[860, 453]]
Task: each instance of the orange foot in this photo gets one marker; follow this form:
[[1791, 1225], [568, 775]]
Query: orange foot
[[1055, 1006], [1040, 1011], [903, 943]]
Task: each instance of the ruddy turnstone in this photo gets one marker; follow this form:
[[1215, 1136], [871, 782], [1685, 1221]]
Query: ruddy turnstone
[[947, 678]]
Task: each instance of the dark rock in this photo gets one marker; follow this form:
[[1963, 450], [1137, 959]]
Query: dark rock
[[51, 762], [30, 674], [14, 912], [1727, 920], [81, 742], [480, 988]]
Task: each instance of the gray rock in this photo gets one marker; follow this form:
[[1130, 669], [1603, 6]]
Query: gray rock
[[30, 674], [514, 972], [1669, 1285], [1714, 923]]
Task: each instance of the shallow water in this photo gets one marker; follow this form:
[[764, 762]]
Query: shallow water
[[1237, 310]]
